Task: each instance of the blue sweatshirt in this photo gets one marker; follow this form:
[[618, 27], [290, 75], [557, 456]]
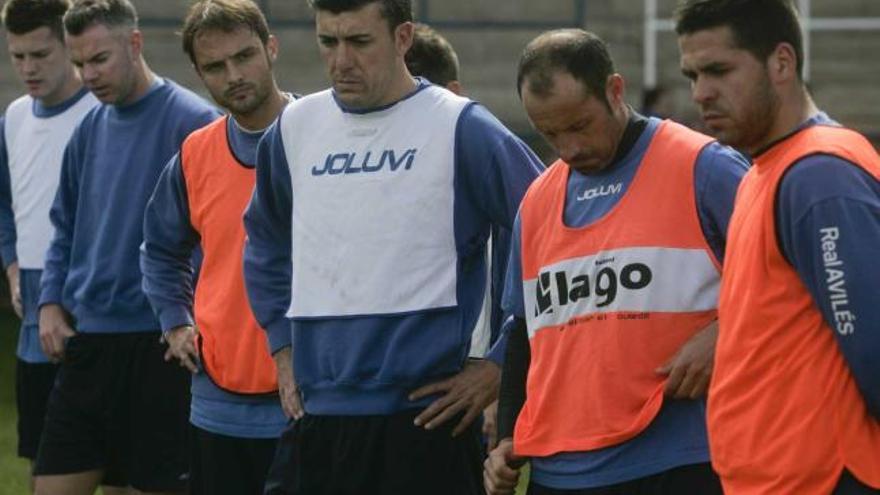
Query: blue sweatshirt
[[826, 192], [111, 166], [677, 436], [28, 349], [369, 364], [169, 284], [7, 216]]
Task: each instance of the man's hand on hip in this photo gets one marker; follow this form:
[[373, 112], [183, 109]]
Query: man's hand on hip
[[468, 392], [287, 389]]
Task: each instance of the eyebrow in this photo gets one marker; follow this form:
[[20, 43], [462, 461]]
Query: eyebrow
[[351, 37], [214, 63], [710, 67], [39, 51], [244, 51], [97, 55]]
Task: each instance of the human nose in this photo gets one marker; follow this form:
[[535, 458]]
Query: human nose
[[29, 65], [88, 73], [342, 57], [702, 90], [568, 148], [233, 72]]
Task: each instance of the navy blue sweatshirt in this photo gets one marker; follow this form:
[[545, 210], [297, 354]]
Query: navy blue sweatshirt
[[369, 364], [169, 243], [111, 166]]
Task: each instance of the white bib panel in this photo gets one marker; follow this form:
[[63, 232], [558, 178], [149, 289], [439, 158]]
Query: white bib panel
[[637, 280], [373, 230], [35, 147]]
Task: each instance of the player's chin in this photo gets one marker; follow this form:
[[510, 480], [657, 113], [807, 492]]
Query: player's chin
[[350, 98]]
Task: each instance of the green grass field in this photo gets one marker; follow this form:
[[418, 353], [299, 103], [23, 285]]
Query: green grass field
[[13, 471]]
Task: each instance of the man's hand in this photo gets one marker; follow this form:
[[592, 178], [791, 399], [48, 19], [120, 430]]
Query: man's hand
[[55, 329], [287, 390], [490, 425], [12, 276], [182, 346], [690, 370], [501, 469], [470, 391]]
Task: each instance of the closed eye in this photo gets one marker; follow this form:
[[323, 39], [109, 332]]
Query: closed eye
[[328, 41]]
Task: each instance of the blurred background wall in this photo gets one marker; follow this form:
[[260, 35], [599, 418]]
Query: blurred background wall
[[489, 34]]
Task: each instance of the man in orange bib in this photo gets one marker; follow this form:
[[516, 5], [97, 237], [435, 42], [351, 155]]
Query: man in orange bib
[[794, 400], [236, 414], [613, 284]]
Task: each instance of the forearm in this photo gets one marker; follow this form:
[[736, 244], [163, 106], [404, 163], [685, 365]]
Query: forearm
[[7, 216], [167, 250], [267, 252], [832, 245], [512, 394]]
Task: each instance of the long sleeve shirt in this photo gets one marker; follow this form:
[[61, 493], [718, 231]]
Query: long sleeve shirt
[[677, 436], [110, 167], [170, 240], [369, 364]]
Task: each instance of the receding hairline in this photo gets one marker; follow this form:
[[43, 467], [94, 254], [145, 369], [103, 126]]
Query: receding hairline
[[548, 83], [557, 39], [541, 79]]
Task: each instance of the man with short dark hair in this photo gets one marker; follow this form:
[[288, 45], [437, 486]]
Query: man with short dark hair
[[613, 278], [236, 415], [794, 405], [433, 58], [367, 227], [32, 138], [117, 413]]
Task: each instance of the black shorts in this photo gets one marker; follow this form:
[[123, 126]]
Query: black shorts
[[224, 465], [117, 406], [375, 455], [33, 382], [850, 485], [694, 478]]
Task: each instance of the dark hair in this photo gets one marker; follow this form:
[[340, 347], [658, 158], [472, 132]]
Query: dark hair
[[432, 57], [758, 26], [575, 51], [396, 12], [223, 15], [24, 16], [111, 13], [650, 96]]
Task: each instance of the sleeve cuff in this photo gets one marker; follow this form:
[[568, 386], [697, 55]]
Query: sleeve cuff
[[49, 295], [499, 348], [496, 353], [9, 256], [174, 317], [279, 335]]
